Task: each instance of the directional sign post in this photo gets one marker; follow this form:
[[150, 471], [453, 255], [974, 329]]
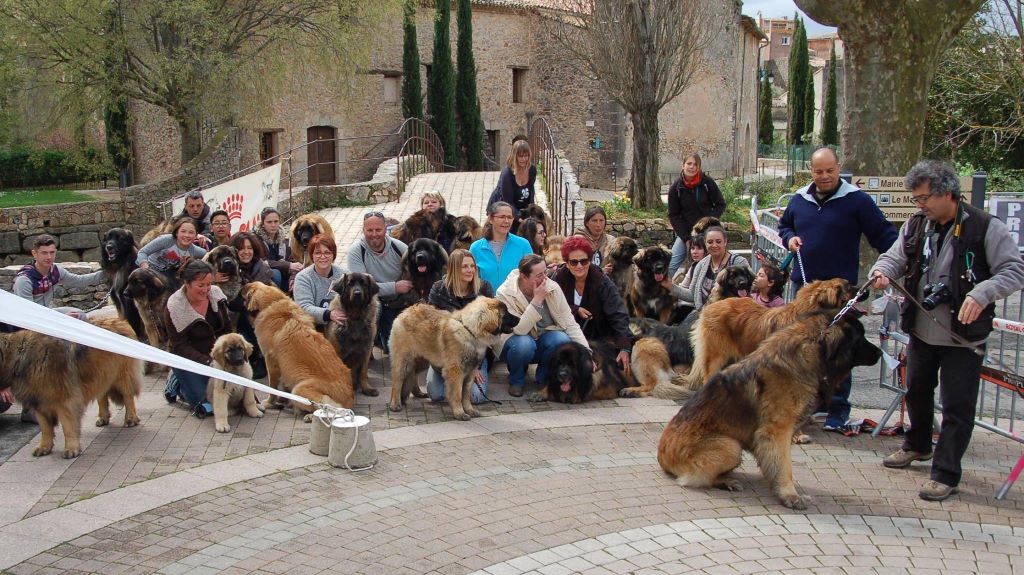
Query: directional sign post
[[892, 197]]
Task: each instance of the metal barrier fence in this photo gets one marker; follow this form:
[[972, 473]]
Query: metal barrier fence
[[562, 203]]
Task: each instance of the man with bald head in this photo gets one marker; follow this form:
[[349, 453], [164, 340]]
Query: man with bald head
[[823, 223]]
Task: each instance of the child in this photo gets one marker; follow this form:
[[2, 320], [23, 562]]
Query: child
[[768, 285]]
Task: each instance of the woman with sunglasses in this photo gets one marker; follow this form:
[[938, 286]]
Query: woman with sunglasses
[[595, 301]]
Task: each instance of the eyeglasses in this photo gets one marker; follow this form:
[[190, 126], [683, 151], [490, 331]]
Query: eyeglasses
[[920, 200], [575, 263], [218, 223], [374, 214], [323, 255], [502, 217]]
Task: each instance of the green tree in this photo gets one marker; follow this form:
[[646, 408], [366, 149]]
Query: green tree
[[808, 136], [471, 125], [188, 57], [830, 115], [116, 123], [412, 90], [889, 66], [765, 127], [441, 91], [799, 67]]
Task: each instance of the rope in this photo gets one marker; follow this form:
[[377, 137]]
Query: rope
[[332, 413]]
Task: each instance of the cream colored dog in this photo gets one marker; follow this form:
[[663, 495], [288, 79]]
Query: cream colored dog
[[231, 353]]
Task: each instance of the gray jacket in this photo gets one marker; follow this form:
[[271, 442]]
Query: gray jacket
[[1003, 259], [313, 292], [23, 285], [385, 268]]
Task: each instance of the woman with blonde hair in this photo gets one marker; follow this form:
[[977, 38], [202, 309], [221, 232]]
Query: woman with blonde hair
[[460, 285], [516, 182]]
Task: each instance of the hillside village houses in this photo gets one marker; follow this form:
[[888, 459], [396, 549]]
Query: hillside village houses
[[522, 73]]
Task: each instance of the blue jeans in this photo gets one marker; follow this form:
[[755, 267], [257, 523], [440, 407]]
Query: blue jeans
[[679, 254], [522, 350], [435, 385], [190, 386], [839, 408], [278, 280]]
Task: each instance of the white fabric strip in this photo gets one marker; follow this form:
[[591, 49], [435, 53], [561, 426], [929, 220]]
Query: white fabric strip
[[32, 316]]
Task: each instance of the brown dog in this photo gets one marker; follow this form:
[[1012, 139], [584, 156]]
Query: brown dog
[[729, 329], [754, 405], [231, 354], [58, 379], [303, 229], [299, 358]]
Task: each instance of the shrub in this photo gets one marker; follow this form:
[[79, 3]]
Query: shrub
[[23, 166]]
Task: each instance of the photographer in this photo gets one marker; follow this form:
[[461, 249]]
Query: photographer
[[958, 260]]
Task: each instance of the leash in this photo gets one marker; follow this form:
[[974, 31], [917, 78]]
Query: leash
[[849, 304], [800, 264], [103, 301]]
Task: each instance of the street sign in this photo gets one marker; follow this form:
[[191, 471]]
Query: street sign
[[892, 197], [1011, 211]]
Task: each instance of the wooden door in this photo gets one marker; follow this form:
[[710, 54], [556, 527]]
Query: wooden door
[[321, 155]]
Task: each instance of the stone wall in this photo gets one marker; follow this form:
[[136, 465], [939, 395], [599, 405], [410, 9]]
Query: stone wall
[[81, 298], [381, 188], [649, 232], [76, 227]]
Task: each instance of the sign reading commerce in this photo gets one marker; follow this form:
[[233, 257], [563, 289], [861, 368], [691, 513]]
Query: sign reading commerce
[[892, 197]]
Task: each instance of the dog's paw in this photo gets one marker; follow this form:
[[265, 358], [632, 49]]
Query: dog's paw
[[396, 407], [102, 422], [72, 453], [369, 391], [131, 421], [223, 428], [631, 392], [255, 412], [462, 416], [42, 450], [730, 485], [535, 398], [801, 439], [793, 502], [473, 413]]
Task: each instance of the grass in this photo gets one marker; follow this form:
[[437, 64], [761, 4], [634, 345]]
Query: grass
[[18, 198]]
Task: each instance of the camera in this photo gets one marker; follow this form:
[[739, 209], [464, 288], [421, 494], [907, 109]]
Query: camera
[[935, 295]]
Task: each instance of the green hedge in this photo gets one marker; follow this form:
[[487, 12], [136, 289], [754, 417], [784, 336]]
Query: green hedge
[[24, 166]]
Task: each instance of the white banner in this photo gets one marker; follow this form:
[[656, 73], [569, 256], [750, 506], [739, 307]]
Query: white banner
[[242, 198], [32, 316]]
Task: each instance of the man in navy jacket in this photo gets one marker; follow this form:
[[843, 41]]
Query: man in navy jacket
[[824, 221]]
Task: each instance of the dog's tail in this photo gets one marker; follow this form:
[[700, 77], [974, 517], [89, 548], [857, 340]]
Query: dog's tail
[[675, 389]]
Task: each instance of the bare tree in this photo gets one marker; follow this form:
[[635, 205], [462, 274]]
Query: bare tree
[[892, 50], [644, 53], [187, 57]]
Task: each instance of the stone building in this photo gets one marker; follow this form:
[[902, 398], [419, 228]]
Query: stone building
[[522, 73]]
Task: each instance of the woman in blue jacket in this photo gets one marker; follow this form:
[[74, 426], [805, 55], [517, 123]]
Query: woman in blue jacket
[[499, 251]]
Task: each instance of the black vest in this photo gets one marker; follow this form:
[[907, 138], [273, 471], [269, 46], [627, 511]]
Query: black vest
[[972, 239]]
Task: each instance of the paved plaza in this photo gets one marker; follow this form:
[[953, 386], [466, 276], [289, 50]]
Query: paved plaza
[[527, 488]]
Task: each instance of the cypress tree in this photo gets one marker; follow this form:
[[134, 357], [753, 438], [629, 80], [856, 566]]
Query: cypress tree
[[116, 123], [765, 128], [412, 90], [798, 64], [809, 110], [441, 93], [830, 118], [471, 125]]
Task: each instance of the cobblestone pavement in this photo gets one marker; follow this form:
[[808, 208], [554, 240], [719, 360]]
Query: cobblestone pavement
[[528, 488]]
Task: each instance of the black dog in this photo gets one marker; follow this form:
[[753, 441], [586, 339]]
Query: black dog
[[423, 264], [647, 297], [571, 379], [675, 337], [434, 225], [353, 339], [117, 258]]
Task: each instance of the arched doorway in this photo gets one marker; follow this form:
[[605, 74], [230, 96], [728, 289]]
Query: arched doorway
[[321, 155]]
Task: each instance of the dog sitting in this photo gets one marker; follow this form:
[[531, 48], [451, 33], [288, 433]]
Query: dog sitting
[[553, 253], [117, 257], [302, 231], [224, 260], [620, 257], [356, 295], [647, 297], [467, 231], [424, 224], [148, 291], [755, 404], [733, 281], [423, 264], [231, 354], [571, 379]]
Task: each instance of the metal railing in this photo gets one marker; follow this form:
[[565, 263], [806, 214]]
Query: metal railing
[[387, 146], [561, 209]]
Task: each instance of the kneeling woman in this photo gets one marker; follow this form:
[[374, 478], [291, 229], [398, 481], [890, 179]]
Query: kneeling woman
[[595, 301], [461, 284], [197, 315]]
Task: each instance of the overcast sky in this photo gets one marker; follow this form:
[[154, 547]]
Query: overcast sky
[[774, 8]]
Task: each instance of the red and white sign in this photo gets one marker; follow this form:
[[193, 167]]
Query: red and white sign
[[242, 198]]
